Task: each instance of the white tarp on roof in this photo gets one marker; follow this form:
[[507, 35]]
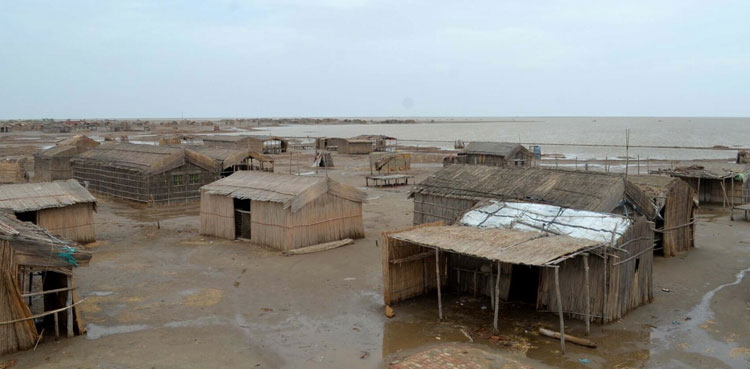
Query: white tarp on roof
[[548, 218]]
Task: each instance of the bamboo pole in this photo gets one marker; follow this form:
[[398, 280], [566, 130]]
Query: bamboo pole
[[492, 290], [497, 296], [560, 309], [588, 293], [437, 273]]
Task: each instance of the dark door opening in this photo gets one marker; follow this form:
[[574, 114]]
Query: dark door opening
[[242, 218], [27, 216], [524, 284]]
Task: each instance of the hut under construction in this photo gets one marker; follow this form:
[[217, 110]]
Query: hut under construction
[[64, 208], [280, 210], [389, 162], [581, 264], [258, 144], [36, 284], [145, 173], [674, 203], [54, 163], [13, 169], [450, 191], [715, 183], [228, 161], [501, 154]]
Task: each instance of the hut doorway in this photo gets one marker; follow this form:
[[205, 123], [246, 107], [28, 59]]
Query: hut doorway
[[242, 211], [524, 284], [27, 216]]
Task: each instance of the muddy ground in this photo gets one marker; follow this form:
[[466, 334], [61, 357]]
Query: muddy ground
[[171, 298]]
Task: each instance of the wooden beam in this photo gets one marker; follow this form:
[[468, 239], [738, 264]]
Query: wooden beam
[[70, 311], [587, 292], [48, 291], [560, 309], [497, 296], [414, 257]]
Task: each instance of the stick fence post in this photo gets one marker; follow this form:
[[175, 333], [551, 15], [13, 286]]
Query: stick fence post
[[560, 309]]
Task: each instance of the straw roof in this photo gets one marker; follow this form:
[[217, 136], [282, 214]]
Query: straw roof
[[224, 138], [148, 159], [60, 150], [292, 191], [34, 246], [578, 190], [492, 148], [82, 142], [500, 244], [708, 170], [43, 195], [654, 185]]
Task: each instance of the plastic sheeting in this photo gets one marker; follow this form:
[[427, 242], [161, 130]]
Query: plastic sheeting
[[548, 218]]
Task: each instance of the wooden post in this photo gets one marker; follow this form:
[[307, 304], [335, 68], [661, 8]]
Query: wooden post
[[492, 289], [699, 190], [497, 295], [437, 273], [560, 309], [587, 293], [638, 163], [57, 325], [69, 302], [475, 284]]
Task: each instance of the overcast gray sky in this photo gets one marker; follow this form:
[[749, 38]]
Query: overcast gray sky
[[72, 59]]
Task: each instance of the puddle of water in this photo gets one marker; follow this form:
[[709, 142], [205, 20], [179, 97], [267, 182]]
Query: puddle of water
[[94, 331], [691, 337]]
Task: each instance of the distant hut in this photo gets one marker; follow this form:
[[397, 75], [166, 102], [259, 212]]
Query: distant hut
[[64, 208], [282, 211], [520, 252], [228, 161], [323, 159], [259, 144], [13, 169], [37, 267], [145, 173], [54, 163], [353, 146], [380, 143], [390, 162], [329, 143], [673, 201], [500, 154], [450, 191], [715, 183]]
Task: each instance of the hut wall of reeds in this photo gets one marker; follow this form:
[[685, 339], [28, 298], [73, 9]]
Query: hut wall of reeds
[[281, 211], [27, 252], [449, 192], [13, 169], [145, 173], [256, 143], [63, 208], [673, 201], [715, 183], [389, 162], [355, 147]]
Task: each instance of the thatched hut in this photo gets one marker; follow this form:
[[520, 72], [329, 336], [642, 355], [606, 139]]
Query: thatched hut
[[64, 208], [145, 173], [521, 252], [354, 146], [450, 191], [13, 169], [329, 143], [282, 211], [715, 183], [54, 163], [501, 154], [673, 201], [390, 162], [29, 259], [259, 144]]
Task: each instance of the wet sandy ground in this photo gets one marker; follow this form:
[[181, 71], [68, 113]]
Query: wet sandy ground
[[170, 298]]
